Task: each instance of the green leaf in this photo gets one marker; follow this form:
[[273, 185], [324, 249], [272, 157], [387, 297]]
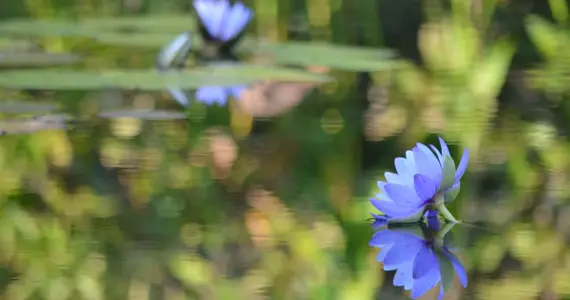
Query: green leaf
[[446, 269], [173, 24], [153, 115], [544, 36], [22, 107], [449, 196], [37, 59], [448, 173], [42, 28], [212, 75], [329, 55], [489, 77], [559, 10], [166, 23], [13, 45]]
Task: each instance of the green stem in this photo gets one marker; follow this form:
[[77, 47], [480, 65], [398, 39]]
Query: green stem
[[445, 213]]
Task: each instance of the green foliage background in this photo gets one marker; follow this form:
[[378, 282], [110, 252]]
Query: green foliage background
[[221, 205]]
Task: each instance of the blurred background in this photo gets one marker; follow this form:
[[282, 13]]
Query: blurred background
[[109, 189]]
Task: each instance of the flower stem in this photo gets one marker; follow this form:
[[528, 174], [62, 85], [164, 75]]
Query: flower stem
[[446, 214]]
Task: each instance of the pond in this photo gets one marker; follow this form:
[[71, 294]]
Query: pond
[[169, 150]]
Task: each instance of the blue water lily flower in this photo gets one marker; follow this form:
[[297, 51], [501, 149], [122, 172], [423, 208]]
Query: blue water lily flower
[[420, 258], [424, 179], [217, 95], [222, 20]]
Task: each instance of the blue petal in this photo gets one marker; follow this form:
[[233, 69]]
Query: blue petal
[[426, 163], [406, 249], [461, 273], [212, 14], [382, 195], [462, 165], [439, 156], [425, 262], [389, 208], [403, 196], [432, 220], [424, 186], [382, 254], [236, 91], [403, 276], [426, 283], [393, 178], [237, 18], [379, 221], [211, 95], [384, 237], [405, 173], [400, 164]]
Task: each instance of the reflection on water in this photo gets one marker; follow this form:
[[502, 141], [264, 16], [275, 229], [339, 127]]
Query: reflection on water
[[421, 256]]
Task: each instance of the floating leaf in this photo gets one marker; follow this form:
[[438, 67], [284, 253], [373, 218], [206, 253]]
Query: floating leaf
[[149, 23], [152, 79], [154, 115], [41, 28], [142, 40], [329, 55], [19, 126], [37, 59], [15, 107], [260, 72], [12, 45], [92, 27]]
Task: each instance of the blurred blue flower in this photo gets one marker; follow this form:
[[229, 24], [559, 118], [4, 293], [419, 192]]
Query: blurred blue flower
[[222, 20], [424, 179], [420, 257], [217, 95]]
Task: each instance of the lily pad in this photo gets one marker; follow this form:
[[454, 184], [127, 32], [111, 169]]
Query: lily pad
[[20, 126], [154, 115], [328, 55], [140, 40], [37, 59], [13, 45], [42, 28], [156, 40], [262, 72], [16, 107], [150, 23], [94, 26], [151, 79]]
